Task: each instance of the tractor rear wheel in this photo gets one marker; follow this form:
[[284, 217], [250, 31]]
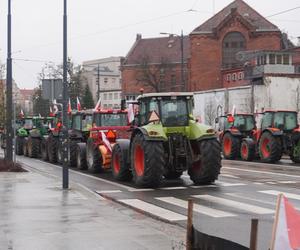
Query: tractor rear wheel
[[93, 157], [52, 148], [33, 147], [295, 154], [44, 150], [119, 164], [270, 148], [81, 156], [147, 161], [72, 153], [207, 169], [247, 151], [230, 146], [19, 145]]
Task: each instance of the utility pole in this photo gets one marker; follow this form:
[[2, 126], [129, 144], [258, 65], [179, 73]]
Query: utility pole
[[65, 169], [9, 130]]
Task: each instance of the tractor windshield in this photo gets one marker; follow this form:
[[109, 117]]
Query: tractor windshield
[[87, 122], [28, 123], [285, 120], [106, 120], [244, 122], [174, 112]]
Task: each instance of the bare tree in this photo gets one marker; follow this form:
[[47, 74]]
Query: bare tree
[[210, 112], [153, 75]]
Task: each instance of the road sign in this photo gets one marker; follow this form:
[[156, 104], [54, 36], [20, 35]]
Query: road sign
[[52, 89]]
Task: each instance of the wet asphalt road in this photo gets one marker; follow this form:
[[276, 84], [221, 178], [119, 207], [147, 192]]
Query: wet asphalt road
[[244, 191]]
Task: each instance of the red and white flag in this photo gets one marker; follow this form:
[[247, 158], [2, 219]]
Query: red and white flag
[[106, 141], [69, 106], [286, 228], [21, 113], [98, 105], [78, 104], [130, 113], [233, 111]]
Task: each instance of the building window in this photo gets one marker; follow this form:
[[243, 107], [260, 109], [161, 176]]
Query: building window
[[234, 77], [173, 80], [241, 75], [105, 96], [228, 77], [110, 96], [278, 59], [286, 59], [271, 58], [297, 69], [115, 96], [105, 80]]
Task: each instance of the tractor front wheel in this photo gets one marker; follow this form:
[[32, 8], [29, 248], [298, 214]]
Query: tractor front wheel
[[230, 146], [25, 147], [270, 148], [44, 150], [119, 165], [147, 161], [72, 153], [52, 148], [295, 154], [19, 145], [93, 157], [247, 151], [81, 156], [207, 169], [33, 146]]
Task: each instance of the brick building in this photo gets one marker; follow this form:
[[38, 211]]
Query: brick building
[[155, 65]]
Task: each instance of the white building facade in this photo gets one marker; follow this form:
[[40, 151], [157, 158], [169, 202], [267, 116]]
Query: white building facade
[[104, 76]]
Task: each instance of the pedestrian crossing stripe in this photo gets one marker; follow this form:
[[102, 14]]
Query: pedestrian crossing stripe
[[275, 193], [235, 204], [196, 208]]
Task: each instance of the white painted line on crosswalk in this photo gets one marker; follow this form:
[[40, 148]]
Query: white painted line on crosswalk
[[230, 176], [153, 209], [226, 184], [235, 204], [257, 183], [140, 189], [287, 182], [173, 188], [271, 182], [108, 191], [275, 192], [204, 186], [196, 208]]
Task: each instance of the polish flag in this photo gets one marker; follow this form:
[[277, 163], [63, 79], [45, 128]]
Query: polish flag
[[78, 104], [51, 111], [130, 113], [106, 141], [286, 228], [233, 111], [21, 113], [98, 105], [69, 106]]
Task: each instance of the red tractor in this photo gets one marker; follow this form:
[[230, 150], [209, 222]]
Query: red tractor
[[279, 134], [233, 129], [108, 126]]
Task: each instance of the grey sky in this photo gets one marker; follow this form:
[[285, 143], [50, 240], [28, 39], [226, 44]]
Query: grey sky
[[100, 29]]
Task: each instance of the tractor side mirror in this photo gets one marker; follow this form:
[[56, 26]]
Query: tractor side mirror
[[217, 120]]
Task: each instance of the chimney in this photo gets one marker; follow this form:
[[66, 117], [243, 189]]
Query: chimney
[[138, 37]]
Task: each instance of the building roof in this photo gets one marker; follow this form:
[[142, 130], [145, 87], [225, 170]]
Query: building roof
[[158, 50], [248, 13]]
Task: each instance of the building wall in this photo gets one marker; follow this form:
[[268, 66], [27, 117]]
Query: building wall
[[206, 53]]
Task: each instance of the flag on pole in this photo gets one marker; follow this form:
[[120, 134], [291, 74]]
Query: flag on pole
[[233, 112], [286, 227], [69, 107], [130, 113], [106, 142], [98, 105], [78, 104], [51, 111], [21, 113]]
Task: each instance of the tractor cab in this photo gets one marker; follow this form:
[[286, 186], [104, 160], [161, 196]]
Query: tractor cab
[[172, 110], [81, 123], [240, 122], [279, 120]]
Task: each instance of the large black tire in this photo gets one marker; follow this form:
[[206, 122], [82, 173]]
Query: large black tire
[[147, 161], [119, 163], [270, 149], [44, 149], [230, 146], [81, 156], [52, 148], [171, 175], [207, 169], [59, 153], [72, 153], [247, 150], [25, 147], [33, 146], [19, 145], [93, 157], [295, 156]]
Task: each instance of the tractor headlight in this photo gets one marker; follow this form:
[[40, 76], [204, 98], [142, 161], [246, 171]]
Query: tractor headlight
[[210, 131], [153, 133]]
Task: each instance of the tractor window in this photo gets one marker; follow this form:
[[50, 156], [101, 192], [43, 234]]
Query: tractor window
[[174, 112], [244, 123], [290, 121], [28, 124], [142, 113], [87, 123], [76, 122], [279, 120], [106, 120], [267, 120]]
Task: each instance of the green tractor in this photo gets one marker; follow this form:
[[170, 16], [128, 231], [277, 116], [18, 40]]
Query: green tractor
[[36, 128], [167, 141]]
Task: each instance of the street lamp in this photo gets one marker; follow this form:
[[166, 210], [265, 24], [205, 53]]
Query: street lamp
[[182, 58]]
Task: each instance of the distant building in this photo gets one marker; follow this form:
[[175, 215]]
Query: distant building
[[106, 71], [26, 100]]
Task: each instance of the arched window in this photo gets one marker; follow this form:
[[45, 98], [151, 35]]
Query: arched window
[[233, 43]]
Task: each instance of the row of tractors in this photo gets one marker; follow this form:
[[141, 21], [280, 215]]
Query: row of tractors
[[265, 136], [156, 138]]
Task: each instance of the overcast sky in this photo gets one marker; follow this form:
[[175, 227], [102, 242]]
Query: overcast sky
[[99, 29]]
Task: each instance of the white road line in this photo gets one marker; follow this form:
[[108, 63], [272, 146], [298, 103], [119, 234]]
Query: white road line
[[108, 191], [243, 196], [227, 184], [263, 172], [153, 209], [196, 208], [235, 204], [288, 182], [140, 189], [173, 188], [275, 192], [230, 176], [271, 182]]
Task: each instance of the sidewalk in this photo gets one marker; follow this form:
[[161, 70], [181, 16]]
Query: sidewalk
[[36, 214]]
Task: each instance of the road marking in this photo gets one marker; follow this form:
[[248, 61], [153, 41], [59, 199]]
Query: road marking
[[263, 172], [153, 209], [196, 208], [230, 176], [172, 188], [275, 192], [243, 196], [108, 191], [235, 204], [140, 189], [287, 182], [226, 184], [271, 182]]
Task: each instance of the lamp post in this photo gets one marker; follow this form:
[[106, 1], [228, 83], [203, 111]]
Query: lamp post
[[181, 53], [9, 130]]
